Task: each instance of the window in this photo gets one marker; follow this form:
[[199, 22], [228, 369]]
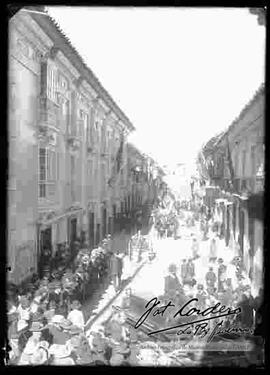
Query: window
[[47, 169], [42, 172], [243, 163], [253, 160], [72, 177], [236, 165], [52, 83], [42, 164], [51, 165]]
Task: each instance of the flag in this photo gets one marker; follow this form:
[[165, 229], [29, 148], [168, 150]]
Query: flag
[[202, 166], [119, 155], [118, 161], [229, 158]]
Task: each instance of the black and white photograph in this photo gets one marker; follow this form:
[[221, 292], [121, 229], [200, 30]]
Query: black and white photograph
[[135, 186]]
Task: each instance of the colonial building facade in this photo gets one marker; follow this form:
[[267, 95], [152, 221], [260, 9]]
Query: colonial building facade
[[68, 169], [234, 161]]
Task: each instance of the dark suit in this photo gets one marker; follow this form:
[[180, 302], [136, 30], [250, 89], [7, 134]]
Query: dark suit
[[172, 285]]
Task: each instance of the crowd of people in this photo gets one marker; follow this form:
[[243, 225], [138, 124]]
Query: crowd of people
[[181, 284], [59, 292]]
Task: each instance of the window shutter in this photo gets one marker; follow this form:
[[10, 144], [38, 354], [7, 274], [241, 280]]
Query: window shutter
[[53, 165], [43, 76], [58, 166]]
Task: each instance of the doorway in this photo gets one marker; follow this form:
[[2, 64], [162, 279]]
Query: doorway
[[104, 222], [97, 234], [45, 242], [73, 230], [110, 229], [91, 221]]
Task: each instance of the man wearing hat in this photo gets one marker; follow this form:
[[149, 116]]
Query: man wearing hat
[[60, 335], [13, 335], [201, 295], [221, 275], [81, 349], [32, 343], [210, 278], [61, 355], [23, 311], [40, 356], [55, 291], [172, 283]]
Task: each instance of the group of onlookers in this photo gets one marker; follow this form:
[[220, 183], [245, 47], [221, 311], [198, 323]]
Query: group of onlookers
[[41, 333]]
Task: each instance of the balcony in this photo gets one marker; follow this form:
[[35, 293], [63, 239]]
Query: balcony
[[46, 192], [49, 112], [73, 143]]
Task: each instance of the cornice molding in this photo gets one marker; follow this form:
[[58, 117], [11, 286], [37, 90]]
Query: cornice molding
[[31, 31], [62, 58], [88, 89], [103, 105]]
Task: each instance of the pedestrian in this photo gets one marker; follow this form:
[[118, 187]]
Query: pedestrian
[[221, 275], [61, 355], [201, 295], [115, 270], [184, 271], [195, 248], [246, 318], [24, 312], [32, 344], [226, 297], [213, 250], [210, 278], [172, 283], [190, 273], [76, 315]]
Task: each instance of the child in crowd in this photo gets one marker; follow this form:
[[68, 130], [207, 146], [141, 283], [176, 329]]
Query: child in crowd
[[76, 315]]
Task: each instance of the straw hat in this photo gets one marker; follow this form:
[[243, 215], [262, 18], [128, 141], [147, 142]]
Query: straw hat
[[36, 327], [57, 319], [39, 357], [65, 324], [49, 314], [60, 351]]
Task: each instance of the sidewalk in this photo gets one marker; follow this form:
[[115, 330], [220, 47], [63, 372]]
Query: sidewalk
[[103, 311]]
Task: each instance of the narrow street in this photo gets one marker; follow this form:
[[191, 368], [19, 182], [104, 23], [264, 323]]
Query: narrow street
[[149, 279], [133, 199]]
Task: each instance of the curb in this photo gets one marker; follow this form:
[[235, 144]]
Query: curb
[[92, 320]]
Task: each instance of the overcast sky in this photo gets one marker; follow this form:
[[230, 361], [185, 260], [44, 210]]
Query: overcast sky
[[181, 75]]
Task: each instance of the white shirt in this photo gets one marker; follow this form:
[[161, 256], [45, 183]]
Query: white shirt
[[76, 318]]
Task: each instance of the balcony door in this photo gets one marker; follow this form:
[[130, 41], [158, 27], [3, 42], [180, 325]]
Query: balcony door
[[72, 229], [91, 223]]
